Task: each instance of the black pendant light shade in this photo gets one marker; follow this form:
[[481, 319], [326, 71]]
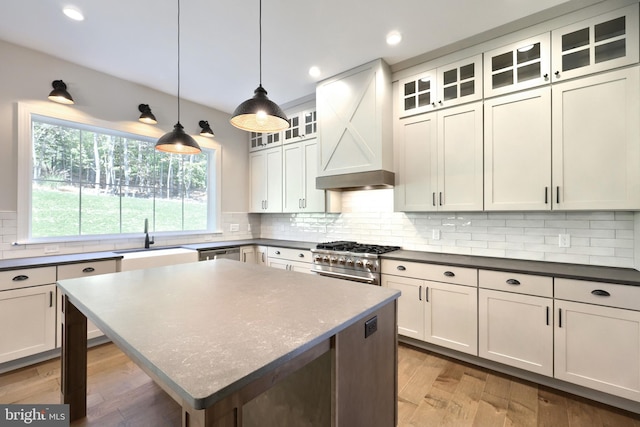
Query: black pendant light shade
[[259, 114], [206, 129], [59, 93], [146, 116], [178, 141]]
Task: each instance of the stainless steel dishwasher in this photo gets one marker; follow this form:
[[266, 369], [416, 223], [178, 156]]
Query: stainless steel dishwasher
[[229, 253]]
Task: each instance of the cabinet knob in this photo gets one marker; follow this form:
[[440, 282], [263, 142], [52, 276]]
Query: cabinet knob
[[277, 252], [600, 293], [546, 76], [300, 255], [449, 273], [513, 282], [557, 73]]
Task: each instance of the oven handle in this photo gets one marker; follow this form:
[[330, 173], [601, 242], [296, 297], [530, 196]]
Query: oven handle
[[370, 281]]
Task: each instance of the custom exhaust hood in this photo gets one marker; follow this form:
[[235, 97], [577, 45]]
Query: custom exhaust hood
[[355, 146]]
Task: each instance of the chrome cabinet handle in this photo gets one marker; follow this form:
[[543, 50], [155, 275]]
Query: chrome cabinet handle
[[558, 194], [440, 198], [513, 282], [559, 318], [546, 195], [420, 293], [401, 267], [426, 294], [600, 293], [88, 270], [50, 299], [449, 273], [547, 315], [20, 278]]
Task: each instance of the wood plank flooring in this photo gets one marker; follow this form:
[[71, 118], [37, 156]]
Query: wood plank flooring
[[432, 391]]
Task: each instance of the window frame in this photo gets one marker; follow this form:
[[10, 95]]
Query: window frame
[[25, 113]]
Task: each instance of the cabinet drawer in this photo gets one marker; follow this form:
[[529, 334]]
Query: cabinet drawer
[[93, 268], [516, 282], [612, 295], [433, 272], [301, 255], [15, 279]]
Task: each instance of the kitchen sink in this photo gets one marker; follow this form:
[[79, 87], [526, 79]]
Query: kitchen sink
[[137, 259]]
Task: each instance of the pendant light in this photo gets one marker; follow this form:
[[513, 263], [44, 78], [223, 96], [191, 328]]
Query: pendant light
[[259, 114], [59, 93], [178, 141]]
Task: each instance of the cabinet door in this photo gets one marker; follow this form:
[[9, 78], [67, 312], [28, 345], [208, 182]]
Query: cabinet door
[[293, 176], [300, 267], [517, 151], [261, 255], [248, 254], [596, 154], [274, 180], [516, 330], [410, 304], [460, 82], [314, 200], [416, 173], [417, 94], [519, 66], [451, 316], [27, 321], [460, 156], [85, 269], [258, 190], [598, 347], [597, 44]]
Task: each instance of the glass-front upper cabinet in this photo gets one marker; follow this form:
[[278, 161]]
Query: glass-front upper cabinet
[[302, 125], [259, 141], [460, 82], [417, 94], [518, 66], [597, 44]]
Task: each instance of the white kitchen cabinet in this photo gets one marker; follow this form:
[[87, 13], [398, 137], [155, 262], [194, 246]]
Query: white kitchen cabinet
[[598, 346], [289, 259], [596, 154], [438, 303], [300, 168], [27, 312], [597, 44], [85, 269], [302, 125], [355, 120], [439, 156], [517, 151], [515, 320], [260, 141], [518, 66], [248, 254], [445, 86], [265, 169]]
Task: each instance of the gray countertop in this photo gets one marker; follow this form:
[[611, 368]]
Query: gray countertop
[[209, 328]]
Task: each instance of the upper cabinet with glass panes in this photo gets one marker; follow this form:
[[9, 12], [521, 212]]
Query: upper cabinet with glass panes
[[521, 65], [597, 44], [260, 141], [302, 125], [446, 86]]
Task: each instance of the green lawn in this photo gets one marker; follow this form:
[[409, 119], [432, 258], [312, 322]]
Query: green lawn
[[57, 213]]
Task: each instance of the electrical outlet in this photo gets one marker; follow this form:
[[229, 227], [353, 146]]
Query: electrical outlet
[[234, 227], [51, 249], [435, 234], [564, 240], [370, 326]]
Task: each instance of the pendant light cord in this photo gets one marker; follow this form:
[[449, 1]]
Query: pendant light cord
[[178, 61], [260, 27]]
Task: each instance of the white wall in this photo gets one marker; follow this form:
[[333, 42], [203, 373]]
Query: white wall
[[26, 76], [597, 238]]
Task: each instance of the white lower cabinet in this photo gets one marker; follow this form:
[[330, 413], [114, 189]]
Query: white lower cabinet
[[515, 320], [85, 269], [598, 346], [248, 254], [289, 259], [437, 312], [27, 312]]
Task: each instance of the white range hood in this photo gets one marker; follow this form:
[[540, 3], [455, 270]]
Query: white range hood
[[355, 129]]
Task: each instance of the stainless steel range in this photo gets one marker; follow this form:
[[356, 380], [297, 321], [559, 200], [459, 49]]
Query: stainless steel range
[[349, 260]]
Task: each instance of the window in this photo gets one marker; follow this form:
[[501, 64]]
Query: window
[[87, 181]]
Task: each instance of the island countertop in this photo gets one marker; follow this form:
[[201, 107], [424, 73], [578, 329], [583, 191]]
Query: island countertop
[[207, 329]]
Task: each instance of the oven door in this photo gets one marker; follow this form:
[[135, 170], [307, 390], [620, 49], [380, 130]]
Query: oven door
[[364, 277]]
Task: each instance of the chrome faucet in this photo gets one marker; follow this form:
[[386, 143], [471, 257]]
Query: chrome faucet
[[147, 241]]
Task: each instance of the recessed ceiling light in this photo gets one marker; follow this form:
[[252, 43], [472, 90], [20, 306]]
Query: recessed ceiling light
[[393, 38], [73, 12], [525, 48], [314, 71]]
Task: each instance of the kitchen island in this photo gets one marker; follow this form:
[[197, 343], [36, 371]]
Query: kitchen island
[[219, 336]]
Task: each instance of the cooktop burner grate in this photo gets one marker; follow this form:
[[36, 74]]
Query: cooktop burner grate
[[355, 247]]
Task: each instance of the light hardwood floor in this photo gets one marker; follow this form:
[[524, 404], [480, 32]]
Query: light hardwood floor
[[433, 391]]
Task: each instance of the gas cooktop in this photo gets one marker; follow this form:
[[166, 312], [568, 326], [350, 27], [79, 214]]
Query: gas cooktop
[[355, 247]]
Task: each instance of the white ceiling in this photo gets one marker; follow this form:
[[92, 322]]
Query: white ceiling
[[137, 39]]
